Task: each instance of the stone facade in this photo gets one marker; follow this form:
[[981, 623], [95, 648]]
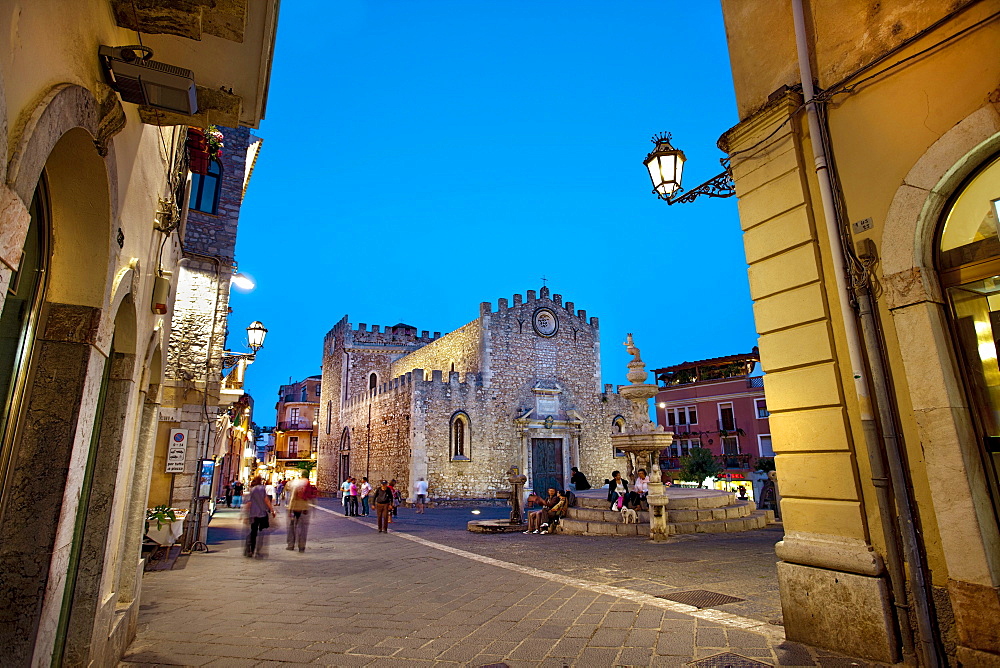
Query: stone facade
[[516, 386], [199, 328]]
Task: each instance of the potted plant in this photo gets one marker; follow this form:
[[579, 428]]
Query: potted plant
[[162, 515], [215, 140]]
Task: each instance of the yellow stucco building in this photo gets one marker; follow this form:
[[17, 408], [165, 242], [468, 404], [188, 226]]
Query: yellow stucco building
[[94, 183], [869, 220]]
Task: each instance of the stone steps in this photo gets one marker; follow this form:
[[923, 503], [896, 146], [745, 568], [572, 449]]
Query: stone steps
[[695, 511], [756, 519]]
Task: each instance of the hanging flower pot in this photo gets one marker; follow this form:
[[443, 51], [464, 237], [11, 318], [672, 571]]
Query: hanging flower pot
[[215, 141]]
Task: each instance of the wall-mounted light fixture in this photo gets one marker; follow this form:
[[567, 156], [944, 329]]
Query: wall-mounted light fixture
[[666, 165]]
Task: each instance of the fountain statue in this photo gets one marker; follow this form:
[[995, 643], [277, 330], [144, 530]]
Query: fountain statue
[[644, 441], [517, 481]]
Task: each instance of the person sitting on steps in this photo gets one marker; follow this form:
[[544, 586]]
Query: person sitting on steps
[[539, 519]]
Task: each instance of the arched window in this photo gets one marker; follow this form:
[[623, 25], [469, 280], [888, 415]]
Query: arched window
[[969, 264], [618, 427], [206, 189], [460, 437], [372, 381]]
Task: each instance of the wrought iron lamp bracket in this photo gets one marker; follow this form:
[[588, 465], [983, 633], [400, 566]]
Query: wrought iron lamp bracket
[[231, 359], [720, 185]]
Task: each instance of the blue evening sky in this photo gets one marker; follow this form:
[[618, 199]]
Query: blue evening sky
[[423, 156]]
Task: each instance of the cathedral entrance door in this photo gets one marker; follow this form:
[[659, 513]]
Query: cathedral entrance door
[[546, 464], [345, 466]]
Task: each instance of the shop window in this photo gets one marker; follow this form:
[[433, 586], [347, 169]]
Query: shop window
[[969, 266], [460, 437], [206, 189], [20, 310]]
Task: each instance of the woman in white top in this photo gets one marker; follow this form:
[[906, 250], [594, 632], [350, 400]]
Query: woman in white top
[[617, 489]]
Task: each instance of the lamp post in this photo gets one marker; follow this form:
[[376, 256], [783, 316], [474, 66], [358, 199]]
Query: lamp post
[[256, 333], [666, 165]]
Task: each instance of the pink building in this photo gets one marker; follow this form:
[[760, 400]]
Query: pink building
[[715, 404]]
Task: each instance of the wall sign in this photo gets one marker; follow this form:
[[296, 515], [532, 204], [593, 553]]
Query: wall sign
[[177, 450]]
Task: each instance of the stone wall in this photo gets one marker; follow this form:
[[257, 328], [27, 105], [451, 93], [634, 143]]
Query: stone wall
[[458, 349]]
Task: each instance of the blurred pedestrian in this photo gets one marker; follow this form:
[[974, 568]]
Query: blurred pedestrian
[[237, 493], [300, 496], [229, 495], [365, 493], [280, 491], [394, 507], [259, 508], [420, 489], [383, 502]]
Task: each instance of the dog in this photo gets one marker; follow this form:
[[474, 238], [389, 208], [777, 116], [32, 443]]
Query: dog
[[629, 516]]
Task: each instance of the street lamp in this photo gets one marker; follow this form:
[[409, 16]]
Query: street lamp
[[666, 164], [255, 335], [255, 341]]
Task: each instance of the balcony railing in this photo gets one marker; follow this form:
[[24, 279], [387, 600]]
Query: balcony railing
[[756, 382], [292, 454], [739, 462], [300, 425]]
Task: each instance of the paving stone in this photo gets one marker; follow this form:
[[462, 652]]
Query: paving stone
[[607, 638], [231, 662], [287, 654], [710, 638], [597, 656], [433, 607], [635, 656]]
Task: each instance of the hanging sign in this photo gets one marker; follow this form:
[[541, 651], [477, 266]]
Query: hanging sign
[[177, 450]]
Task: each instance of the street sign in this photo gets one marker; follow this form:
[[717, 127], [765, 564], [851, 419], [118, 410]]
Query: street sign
[[177, 450]]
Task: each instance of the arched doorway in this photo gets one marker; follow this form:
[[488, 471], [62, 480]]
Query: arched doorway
[[345, 454], [54, 365], [968, 263]]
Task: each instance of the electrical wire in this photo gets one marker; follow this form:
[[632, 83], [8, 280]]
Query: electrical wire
[[843, 87]]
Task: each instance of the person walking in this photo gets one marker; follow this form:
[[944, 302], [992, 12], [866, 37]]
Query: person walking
[[259, 508], [420, 489], [383, 503], [237, 493], [229, 495], [280, 491], [300, 496], [394, 506], [365, 493]]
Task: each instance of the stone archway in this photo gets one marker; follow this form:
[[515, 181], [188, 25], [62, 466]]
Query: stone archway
[[65, 367], [914, 297]]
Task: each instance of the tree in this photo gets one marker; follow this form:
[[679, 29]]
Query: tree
[[306, 466], [699, 464], [764, 464]]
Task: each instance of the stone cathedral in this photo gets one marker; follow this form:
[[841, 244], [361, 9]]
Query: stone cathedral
[[519, 385]]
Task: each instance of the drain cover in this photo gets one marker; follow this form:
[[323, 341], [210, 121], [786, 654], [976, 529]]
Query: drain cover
[[727, 660], [700, 598]]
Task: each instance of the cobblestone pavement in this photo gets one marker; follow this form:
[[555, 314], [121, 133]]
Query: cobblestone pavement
[[430, 593]]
